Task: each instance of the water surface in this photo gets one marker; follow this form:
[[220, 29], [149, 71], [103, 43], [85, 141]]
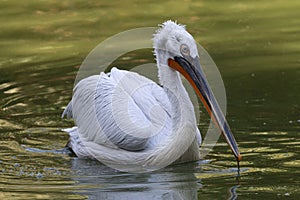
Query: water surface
[[256, 46]]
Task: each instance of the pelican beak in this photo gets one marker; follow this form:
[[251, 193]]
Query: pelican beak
[[190, 68]]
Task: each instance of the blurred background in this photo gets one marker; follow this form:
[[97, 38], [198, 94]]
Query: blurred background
[[255, 44]]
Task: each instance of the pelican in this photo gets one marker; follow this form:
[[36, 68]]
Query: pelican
[[125, 119]]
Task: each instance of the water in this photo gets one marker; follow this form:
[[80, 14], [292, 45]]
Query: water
[[256, 46]]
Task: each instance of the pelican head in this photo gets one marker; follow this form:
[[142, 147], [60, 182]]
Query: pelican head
[[180, 53]]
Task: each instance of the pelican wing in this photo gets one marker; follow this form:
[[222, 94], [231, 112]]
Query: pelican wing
[[120, 110]]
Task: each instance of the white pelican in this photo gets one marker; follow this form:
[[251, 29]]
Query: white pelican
[[125, 119]]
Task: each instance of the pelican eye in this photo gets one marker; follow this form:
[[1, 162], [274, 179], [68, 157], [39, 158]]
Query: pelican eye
[[184, 49]]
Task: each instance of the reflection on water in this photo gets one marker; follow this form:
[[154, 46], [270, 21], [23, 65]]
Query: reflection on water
[[254, 44], [101, 182]]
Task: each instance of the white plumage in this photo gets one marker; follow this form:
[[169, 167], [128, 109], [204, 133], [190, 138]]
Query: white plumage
[[124, 119]]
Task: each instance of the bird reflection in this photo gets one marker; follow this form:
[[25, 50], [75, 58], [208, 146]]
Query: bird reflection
[[102, 182]]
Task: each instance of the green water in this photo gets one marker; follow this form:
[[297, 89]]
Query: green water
[[255, 44]]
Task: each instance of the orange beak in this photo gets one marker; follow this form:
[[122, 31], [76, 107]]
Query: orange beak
[[190, 68]]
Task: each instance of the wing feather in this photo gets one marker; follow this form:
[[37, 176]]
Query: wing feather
[[120, 110]]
